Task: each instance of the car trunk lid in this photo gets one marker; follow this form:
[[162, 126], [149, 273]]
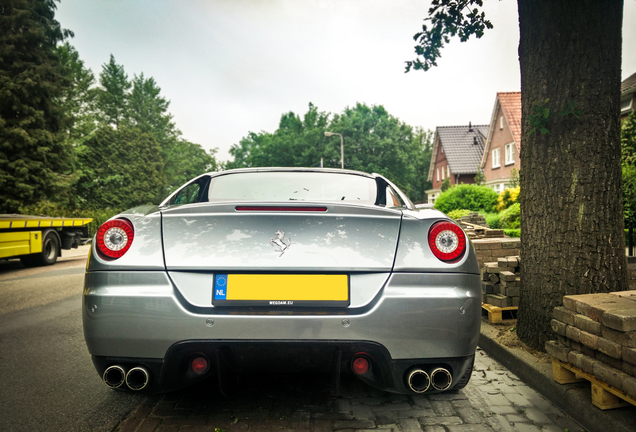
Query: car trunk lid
[[266, 237]]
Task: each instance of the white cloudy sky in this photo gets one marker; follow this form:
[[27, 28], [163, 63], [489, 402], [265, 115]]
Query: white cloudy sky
[[234, 66]]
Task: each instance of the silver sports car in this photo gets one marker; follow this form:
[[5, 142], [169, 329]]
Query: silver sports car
[[283, 268]]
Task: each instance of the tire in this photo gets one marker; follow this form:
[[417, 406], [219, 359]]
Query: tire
[[463, 382], [50, 251]]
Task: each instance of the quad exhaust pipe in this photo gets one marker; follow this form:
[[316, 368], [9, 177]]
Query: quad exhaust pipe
[[419, 380], [441, 379], [114, 376], [136, 378]]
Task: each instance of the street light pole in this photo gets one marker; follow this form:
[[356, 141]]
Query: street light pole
[[341, 146]]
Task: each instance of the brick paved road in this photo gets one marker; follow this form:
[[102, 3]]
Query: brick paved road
[[495, 400]]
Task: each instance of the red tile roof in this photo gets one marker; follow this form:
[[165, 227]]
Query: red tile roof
[[511, 106]]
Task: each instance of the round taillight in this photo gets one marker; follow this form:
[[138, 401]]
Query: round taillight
[[360, 365], [199, 365], [114, 238], [447, 241]]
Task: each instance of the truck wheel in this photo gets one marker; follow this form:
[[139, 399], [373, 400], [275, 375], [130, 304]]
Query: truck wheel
[[49, 254]]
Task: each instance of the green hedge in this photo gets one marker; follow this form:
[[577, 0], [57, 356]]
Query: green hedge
[[492, 219], [458, 214], [510, 217], [513, 232], [470, 197]]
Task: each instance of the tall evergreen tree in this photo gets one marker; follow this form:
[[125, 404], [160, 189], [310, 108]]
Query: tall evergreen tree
[[113, 94], [34, 158], [148, 110], [79, 98], [122, 168]]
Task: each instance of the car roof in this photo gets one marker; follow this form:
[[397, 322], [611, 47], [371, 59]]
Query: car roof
[[293, 169]]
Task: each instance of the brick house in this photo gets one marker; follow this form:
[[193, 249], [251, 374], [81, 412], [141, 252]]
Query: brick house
[[457, 152], [628, 96], [501, 152]]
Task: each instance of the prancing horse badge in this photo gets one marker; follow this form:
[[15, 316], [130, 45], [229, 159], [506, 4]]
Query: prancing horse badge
[[279, 242]]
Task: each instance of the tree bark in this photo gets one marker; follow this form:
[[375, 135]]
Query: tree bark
[[571, 202]]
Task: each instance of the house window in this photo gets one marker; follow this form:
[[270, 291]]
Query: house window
[[500, 122], [496, 163], [437, 173], [498, 187], [442, 173], [448, 171], [626, 105], [510, 153]]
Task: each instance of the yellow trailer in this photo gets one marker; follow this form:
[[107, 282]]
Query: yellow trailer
[[39, 240]]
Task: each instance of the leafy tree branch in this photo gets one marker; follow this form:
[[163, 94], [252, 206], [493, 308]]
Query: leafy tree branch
[[448, 19]]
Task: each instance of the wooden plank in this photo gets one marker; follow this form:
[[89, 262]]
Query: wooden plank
[[604, 396], [474, 225]]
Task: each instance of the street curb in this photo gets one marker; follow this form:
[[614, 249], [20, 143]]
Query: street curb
[[573, 399]]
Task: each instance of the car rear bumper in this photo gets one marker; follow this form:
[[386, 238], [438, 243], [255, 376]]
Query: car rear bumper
[[415, 319], [226, 359]]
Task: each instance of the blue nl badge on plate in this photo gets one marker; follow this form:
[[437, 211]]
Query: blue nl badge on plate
[[220, 287]]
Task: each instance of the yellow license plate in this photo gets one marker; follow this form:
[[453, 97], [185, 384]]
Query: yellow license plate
[[281, 290]]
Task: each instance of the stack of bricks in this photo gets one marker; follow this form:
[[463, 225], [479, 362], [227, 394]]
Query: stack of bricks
[[501, 282], [475, 218], [489, 250], [597, 334], [481, 230]]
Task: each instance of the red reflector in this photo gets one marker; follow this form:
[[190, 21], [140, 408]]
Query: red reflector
[[360, 365], [280, 209], [199, 365]]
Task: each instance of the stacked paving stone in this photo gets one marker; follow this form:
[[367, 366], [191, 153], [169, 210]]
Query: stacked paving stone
[[482, 230], [490, 249], [501, 282], [597, 334], [476, 219]]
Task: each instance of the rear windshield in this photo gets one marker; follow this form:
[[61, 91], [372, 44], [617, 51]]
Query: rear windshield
[[293, 186]]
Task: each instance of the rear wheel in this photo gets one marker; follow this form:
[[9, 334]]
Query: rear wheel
[[50, 251]]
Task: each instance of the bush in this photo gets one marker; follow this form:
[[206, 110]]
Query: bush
[[510, 218], [457, 214], [507, 198], [471, 197], [492, 219], [513, 232]]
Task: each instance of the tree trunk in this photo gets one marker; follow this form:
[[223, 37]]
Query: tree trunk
[[571, 202]]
